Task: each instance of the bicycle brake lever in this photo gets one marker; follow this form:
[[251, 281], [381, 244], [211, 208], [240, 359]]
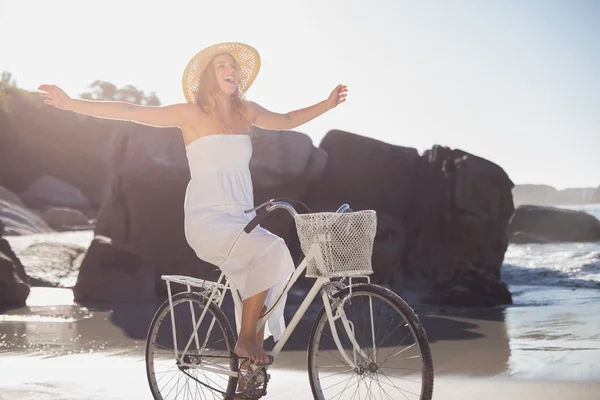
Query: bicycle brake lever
[[266, 203]]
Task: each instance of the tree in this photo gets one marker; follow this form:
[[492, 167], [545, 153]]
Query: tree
[[102, 90], [7, 79]]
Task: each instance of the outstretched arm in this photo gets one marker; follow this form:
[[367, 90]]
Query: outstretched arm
[[264, 118], [175, 115]]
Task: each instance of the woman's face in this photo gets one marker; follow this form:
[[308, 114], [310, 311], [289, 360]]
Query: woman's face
[[226, 73]]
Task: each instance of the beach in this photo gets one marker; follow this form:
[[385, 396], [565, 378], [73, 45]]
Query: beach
[[546, 345], [55, 349]]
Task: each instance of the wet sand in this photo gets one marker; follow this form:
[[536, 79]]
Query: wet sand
[[54, 349]]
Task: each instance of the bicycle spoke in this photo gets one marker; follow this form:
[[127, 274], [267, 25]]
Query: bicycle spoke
[[380, 356]]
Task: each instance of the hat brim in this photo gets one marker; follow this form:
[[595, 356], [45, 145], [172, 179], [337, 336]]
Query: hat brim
[[246, 57]]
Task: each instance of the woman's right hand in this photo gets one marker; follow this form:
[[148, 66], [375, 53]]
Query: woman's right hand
[[55, 96]]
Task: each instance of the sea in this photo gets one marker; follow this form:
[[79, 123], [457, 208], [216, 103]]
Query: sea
[[558, 265]]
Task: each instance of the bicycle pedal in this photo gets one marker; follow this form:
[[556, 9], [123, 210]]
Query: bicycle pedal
[[271, 360]]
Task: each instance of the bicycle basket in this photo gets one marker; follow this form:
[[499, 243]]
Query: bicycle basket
[[337, 244]]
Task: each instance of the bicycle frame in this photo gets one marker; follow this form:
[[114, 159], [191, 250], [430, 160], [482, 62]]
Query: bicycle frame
[[215, 292]]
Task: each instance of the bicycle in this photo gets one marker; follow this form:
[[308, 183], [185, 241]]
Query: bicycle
[[337, 247]]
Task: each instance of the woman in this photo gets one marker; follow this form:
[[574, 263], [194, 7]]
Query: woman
[[216, 124]]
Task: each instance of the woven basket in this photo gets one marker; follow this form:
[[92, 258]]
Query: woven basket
[[337, 244]]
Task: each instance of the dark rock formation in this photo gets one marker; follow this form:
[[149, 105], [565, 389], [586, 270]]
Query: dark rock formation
[[141, 218], [14, 283], [450, 208], [366, 173], [65, 219], [41, 140], [111, 274], [537, 224], [442, 216], [47, 191]]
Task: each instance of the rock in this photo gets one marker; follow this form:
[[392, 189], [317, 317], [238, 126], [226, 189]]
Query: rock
[[283, 164], [47, 191], [19, 220], [460, 208], [283, 156], [65, 219], [551, 224], [478, 291], [442, 216], [111, 274], [42, 140], [366, 173], [14, 287], [7, 251], [141, 216], [52, 264]]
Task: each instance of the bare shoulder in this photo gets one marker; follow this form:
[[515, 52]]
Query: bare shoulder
[[253, 110], [189, 110]]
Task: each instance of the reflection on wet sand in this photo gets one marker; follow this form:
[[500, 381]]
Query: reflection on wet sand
[[92, 352]]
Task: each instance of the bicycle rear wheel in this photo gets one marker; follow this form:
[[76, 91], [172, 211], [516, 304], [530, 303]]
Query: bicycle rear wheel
[[396, 360], [211, 348]]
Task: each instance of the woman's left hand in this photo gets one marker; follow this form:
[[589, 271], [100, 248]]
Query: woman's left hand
[[337, 96]]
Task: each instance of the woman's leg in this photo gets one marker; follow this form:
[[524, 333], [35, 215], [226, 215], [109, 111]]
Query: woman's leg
[[260, 339], [249, 345]]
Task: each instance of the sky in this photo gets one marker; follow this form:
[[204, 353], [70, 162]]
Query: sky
[[515, 82]]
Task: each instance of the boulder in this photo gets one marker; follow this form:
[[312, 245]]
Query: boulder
[[442, 216], [14, 282], [111, 274], [141, 217], [543, 224], [65, 219], [366, 173], [140, 222], [70, 147], [460, 208], [47, 191], [477, 291], [280, 157]]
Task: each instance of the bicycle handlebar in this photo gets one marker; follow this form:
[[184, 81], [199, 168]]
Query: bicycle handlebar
[[263, 210]]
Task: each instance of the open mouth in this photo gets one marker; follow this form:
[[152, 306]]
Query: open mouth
[[229, 79]]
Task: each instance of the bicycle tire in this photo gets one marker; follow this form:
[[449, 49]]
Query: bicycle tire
[[221, 319], [409, 316]]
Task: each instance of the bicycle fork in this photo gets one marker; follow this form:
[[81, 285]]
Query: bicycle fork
[[348, 328]]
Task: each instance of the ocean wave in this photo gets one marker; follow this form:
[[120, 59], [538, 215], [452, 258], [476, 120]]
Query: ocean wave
[[562, 264]]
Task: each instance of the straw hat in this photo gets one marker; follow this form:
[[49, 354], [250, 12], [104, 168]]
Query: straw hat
[[246, 56]]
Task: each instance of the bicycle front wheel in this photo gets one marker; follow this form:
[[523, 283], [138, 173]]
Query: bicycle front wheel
[[206, 368], [387, 345]]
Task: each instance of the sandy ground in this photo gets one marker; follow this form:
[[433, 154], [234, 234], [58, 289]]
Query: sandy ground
[[53, 349]]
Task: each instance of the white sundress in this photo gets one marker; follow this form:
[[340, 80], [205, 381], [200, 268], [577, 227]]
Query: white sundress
[[219, 191]]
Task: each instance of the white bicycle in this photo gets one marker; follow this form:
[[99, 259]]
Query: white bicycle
[[366, 342]]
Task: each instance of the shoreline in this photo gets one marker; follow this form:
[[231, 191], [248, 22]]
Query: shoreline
[[534, 349]]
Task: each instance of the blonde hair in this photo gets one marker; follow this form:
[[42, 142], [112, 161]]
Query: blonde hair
[[208, 91]]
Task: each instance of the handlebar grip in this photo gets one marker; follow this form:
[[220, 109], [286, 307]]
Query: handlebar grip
[[260, 216]]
